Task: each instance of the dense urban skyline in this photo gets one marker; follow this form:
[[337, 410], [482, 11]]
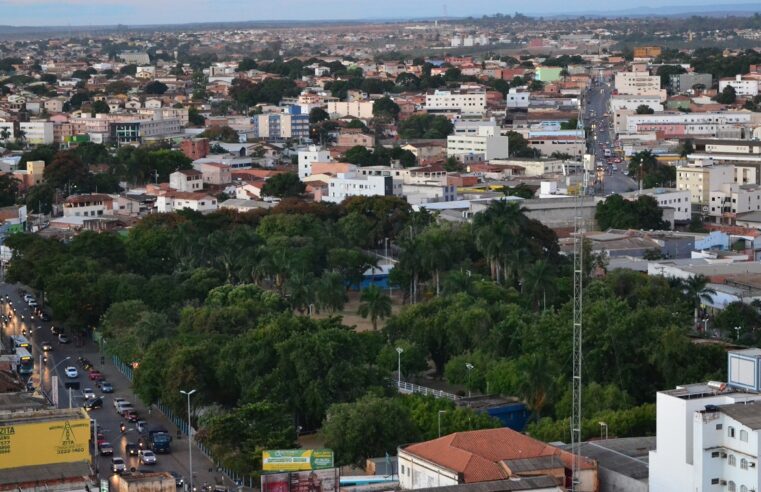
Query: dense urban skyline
[[87, 12]]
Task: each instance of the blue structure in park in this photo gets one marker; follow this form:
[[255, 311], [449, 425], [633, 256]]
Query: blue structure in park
[[511, 412]]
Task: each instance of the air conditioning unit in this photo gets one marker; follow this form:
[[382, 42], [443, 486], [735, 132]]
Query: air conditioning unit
[[752, 465]]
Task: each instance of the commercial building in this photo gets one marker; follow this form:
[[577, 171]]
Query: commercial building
[[517, 98], [466, 100], [700, 179], [346, 185], [639, 84], [708, 434], [485, 143], [135, 57], [280, 126], [37, 132], [485, 456], [706, 123], [145, 482], [684, 82], [140, 130], [620, 101], [548, 74], [647, 51], [566, 145]]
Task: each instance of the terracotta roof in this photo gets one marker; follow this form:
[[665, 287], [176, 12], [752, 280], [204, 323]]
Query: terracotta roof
[[477, 455], [190, 172], [88, 198]]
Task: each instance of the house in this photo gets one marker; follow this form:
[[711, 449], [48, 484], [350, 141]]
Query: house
[[352, 138], [215, 173], [488, 455], [90, 205], [178, 200], [187, 180]]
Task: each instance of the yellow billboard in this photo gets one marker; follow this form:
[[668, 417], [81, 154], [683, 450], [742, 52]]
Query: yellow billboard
[[296, 459], [43, 443]]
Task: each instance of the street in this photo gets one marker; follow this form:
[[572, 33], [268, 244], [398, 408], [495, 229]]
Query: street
[[596, 116], [106, 418]]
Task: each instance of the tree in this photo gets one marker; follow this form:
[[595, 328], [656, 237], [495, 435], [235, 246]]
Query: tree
[[571, 124], [247, 64], [386, 108], [697, 291], [618, 213], [66, 170], [156, 87], [224, 133], [369, 427], [536, 86], [666, 71], [283, 185], [331, 292], [644, 109], [8, 189], [645, 167], [727, 96], [317, 115], [425, 126], [195, 118], [99, 107], [518, 146], [130, 69], [375, 304], [39, 199]]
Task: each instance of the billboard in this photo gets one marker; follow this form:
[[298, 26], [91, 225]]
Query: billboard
[[302, 481], [44, 443], [297, 459]]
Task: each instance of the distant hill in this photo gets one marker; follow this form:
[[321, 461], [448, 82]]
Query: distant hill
[[738, 9]]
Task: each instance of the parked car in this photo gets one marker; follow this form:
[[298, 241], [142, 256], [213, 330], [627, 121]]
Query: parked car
[[106, 449], [147, 457], [46, 346], [63, 338], [106, 387], [100, 439], [88, 393], [118, 465], [71, 372]]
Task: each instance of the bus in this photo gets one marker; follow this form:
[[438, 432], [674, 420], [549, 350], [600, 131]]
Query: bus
[[20, 341], [25, 361]]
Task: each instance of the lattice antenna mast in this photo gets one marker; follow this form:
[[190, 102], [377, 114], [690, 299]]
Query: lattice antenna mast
[[578, 303]]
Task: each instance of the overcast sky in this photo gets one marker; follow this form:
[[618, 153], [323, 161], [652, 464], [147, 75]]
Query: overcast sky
[[85, 12]]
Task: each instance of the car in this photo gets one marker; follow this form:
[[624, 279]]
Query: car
[[88, 393], [63, 338], [118, 465], [178, 480], [100, 438], [96, 375], [33, 303], [93, 404], [106, 449], [117, 401], [131, 415], [71, 372], [55, 330], [106, 387], [85, 363], [147, 457], [46, 346], [131, 449], [28, 297], [44, 316], [124, 409]]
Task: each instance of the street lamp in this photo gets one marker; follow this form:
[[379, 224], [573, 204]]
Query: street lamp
[[440, 412], [603, 425], [399, 351], [737, 332], [469, 367], [190, 440]]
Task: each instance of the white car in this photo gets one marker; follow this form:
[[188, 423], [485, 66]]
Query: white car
[[71, 372], [118, 465], [118, 400], [147, 457], [88, 393]]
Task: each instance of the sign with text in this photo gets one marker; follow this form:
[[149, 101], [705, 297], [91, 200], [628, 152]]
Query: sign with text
[[297, 459], [44, 443]]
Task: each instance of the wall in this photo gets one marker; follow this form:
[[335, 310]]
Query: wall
[[416, 473]]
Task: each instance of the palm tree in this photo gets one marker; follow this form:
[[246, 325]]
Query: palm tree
[[375, 304], [537, 385], [331, 291], [695, 289]]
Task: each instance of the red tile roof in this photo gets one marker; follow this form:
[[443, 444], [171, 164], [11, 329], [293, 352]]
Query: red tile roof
[[477, 455]]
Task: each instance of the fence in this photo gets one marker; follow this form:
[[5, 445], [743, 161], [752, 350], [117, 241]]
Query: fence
[[184, 428], [409, 388]]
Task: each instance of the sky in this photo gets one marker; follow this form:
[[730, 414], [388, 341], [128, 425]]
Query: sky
[[132, 12]]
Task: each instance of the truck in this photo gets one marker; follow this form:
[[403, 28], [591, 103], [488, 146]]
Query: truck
[[159, 440]]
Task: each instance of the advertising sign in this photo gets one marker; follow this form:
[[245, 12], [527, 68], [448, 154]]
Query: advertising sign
[[276, 482], [297, 459], [44, 443], [302, 481]]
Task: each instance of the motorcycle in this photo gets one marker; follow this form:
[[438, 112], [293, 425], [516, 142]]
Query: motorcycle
[[122, 427]]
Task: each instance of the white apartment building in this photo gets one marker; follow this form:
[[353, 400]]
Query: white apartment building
[[37, 132], [678, 200], [629, 102], [484, 143], [346, 185], [465, 100], [312, 154], [744, 87], [476, 127], [187, 180], [356, 109], [518, 98], [728, 200], [700, 178], [707, 434], [633, 122], [639, 84], [90, 205], [178, 200]]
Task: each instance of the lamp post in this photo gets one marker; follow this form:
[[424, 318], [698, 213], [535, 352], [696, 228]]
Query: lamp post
[[440, 412], [399, 351], [55, 370], [190, 440], [603, 426], [469, 367], [737, 333]]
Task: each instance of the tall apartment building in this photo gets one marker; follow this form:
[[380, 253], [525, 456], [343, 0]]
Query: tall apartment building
[[357, 109], [465, 100], [485, 143], [708, 435], [638, 84], [311, 154], [743, 86], [37, 132], [701, 178], [280, 126], [731, 199], [683, 82]]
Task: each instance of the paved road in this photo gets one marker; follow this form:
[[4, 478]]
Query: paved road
[[107, 419], [601, 138]]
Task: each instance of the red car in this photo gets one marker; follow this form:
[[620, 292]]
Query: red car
[[100, 439], [131, 415], [96, 375]]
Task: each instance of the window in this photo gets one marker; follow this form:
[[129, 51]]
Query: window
[[732, 486], [743, 488], [402, 469], [731, 431], [744, 435], [732, 461], [744, 464], [714, 481], [715, 454]]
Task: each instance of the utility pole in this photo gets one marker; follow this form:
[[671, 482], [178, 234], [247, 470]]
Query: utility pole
[[578, 298]]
